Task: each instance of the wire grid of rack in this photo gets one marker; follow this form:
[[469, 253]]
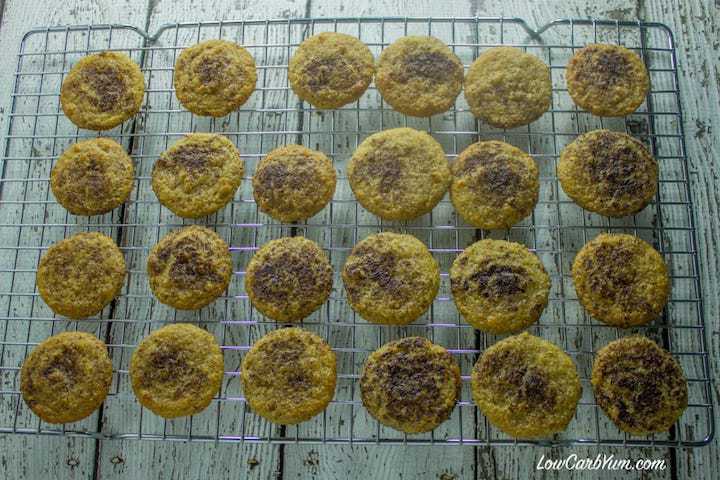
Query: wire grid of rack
[[31, 220]]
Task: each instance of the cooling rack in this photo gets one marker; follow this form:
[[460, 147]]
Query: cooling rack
[[31, 220]]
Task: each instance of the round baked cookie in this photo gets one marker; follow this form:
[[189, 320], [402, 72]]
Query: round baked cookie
[[102, 90], [399, 174], [609, 173], [66, 377], [526, 386], [621, 280], [289, 278], [507, 87], [177, 370], [391, 278], [78, 276], [331, 69], [495, 185], [419, 76], [499, 286], [639, 385], [293, 183], [411, 384], [607, 80], [214, 77], [198, 175], [289, 376], [189, 268], [92, 177]]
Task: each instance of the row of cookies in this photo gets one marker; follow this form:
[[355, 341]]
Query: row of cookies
[[526, 386], [389, 278], [418, 76]]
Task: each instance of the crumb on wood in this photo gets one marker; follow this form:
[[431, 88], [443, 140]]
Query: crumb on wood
[[312, 461], [72, 462], [447, 475], [253, 462], [117, 460]]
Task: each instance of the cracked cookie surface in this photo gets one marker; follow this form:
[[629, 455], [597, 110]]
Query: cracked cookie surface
[[639, 385], [607, 80], [214, 78], [66, 377], [177, 370], [495, 185], [390, 278], [419, 76], [80, 275], [499, 286], [92, 177], [621, 280], [102, 90], [289, 376], [331, 69], [399, 174], [526, 386], [198, 175], [411, 384], [289, 278], [189, 268]]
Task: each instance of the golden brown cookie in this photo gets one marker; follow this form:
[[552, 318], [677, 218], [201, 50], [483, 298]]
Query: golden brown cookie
[[411, 384], [399, 174], [607, 80], [78, 276], [639, 385], [609, 173], [391, 278], [419, 76], [495, 185], [177, 370], [289, 278], [102, 91], [526, 386], [499, 286], [331, 69], [66, 377], [289, 376], [198, 175], [293, 183], [92, 177], [508, 88], [189, 268], [214, 77], [621, 280]]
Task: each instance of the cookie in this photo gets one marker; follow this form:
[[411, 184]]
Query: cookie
[[289, 376], [293, 183], [102, 90], [289, 278], [189, 268], [198, 175], [508, 88], [214, 78], [639, 385], [526, 386], [92, 177], [411, 384], [390, 278], [177, 370], [494, 185], [66, 377], [609, 173], [607, 80], [621, 280], [78, 276], [399, 174], [331, 69], [419, 76], [499, 286]]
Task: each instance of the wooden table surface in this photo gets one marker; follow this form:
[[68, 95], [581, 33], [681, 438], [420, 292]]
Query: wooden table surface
[[696, 24]]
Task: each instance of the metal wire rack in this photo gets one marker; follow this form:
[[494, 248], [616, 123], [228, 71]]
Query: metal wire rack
[[31, 220]]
